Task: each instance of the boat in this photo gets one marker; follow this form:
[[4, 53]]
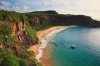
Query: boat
[[72, 46]]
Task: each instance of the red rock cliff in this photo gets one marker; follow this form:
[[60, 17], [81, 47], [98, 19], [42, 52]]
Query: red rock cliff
[[19, 30]]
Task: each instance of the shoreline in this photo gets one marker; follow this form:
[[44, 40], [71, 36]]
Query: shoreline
[[46, 39], [45, 36], [41, 34]]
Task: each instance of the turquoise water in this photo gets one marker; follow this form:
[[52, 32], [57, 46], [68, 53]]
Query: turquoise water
[[87, 51]]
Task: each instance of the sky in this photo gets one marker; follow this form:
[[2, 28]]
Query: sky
[[76, 7]]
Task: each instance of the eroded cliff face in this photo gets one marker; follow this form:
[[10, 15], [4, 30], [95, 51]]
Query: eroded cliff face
[[20, 34], [19, 30], [36, 20]]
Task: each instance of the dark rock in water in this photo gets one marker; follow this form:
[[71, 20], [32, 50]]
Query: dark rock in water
[[64, 46], [56, 45], [52, 42]]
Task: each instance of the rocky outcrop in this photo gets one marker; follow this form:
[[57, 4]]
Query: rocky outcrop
[[0, 45], [19, 30]]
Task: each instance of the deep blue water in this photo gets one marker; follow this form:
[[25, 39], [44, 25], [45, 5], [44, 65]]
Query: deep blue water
[[87, 51]]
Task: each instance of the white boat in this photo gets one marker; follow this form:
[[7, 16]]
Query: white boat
[[72, 46]]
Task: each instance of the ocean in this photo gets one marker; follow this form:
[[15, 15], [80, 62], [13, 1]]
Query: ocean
[[86, 51]]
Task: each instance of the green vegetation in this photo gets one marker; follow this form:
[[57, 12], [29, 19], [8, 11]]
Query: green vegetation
[[48, 18], [23, 63], [11, 16], [10, 61], [5, 34], [9, 55], [52, 18], [8, 58], [38, 20], [31, 31]]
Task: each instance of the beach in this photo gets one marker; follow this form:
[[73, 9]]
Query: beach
[[42, 50]]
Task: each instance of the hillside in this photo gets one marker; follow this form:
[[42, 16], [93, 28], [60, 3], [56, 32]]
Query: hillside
[[55, 19], [47, 12], [18, 33]]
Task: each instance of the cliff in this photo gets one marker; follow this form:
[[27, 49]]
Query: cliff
[[18, 33], [19, 30], [17, 50]]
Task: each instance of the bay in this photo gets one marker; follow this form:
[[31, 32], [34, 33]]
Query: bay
[[87, 51]]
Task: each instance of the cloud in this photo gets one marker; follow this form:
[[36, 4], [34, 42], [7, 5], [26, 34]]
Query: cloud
[[45, 3], [4, 5], [55, 3], [19, 8]]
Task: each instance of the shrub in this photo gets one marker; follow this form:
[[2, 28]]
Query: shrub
[[10, 61], [31, 32], [1, 18], [24, 55], [34, 62], [27, 54], [5, 33], [23, 63]]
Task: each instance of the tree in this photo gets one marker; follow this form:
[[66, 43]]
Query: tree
[[23, 63], [1, 18], [10, 61], [5, 33]]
